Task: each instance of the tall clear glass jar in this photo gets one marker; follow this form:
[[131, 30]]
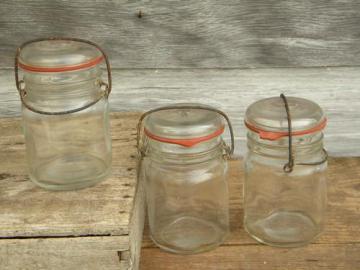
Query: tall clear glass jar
[[285, 175], [65, 112], [185, 169]]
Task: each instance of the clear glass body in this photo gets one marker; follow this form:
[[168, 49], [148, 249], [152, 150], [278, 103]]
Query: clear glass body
[[66, 151], [187, 197], [284, 209]]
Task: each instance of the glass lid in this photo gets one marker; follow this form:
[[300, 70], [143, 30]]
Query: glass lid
[[184, 126], [268, 117], [58, 55]]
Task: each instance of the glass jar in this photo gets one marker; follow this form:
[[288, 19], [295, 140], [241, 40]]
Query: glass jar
[[184, 163], [285, 181], [65, 112]]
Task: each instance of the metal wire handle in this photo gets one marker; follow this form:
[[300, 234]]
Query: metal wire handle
[[289, 166], [22, 90], [174, 107]]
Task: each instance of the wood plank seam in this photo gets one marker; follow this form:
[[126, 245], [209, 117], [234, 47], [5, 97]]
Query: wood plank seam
[[334, 89]]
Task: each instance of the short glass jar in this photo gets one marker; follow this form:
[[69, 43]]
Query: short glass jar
[[184, 164], [285, 175], [65, 112]]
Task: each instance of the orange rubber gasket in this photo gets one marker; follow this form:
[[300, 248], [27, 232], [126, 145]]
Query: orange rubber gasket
[[185, 142], [91, 63], [273, 135]]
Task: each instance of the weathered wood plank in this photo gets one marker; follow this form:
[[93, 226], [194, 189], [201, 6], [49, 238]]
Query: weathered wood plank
[[86, 253], [95, 228], [342, 225], [337, 248], [102, 210], [335, 89], [259, 257], [193, 33]]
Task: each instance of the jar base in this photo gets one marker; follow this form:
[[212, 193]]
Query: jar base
[[70, 172], [189, 235], [283, 229]]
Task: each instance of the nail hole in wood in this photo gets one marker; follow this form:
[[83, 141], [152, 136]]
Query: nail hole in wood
[[119, 255], [4, 176]]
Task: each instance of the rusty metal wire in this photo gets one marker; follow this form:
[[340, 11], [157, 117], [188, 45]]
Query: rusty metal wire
[[289, 166]]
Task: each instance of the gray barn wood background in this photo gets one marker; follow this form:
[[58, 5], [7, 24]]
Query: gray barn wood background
[[224, 53]]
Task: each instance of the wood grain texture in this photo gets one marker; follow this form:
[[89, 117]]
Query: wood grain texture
[[94, 228], [24, 224], [336, 90], [207, 34], [85, 253], [101, 210], [336, 248], [250, 257]]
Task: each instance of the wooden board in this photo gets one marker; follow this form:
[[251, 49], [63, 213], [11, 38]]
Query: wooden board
[[232, 90], [65, 253], [337, 248], [91, 228], [209, 33], [32, 236], [250, 257]]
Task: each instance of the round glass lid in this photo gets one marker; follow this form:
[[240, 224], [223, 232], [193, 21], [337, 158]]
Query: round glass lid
[[184, 126], [57, 55], [268, 117]]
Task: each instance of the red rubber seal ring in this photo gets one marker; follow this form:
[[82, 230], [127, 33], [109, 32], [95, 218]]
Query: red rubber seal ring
[[185, 142], [273, 135], [84, 65]]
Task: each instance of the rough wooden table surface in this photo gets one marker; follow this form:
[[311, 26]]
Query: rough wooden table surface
[[94, 228], [93, 241], [337, 248]]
